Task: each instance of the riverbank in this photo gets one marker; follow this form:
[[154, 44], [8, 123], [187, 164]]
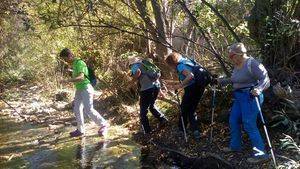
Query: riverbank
[[35, 134]]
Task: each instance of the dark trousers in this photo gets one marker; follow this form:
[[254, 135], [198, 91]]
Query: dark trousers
[[190, 100], [147, 101]]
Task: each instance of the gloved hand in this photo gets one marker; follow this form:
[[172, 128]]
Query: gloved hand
[[255, 92], [214, 80]]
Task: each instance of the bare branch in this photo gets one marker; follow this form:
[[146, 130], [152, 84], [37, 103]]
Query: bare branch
[[200, 29]]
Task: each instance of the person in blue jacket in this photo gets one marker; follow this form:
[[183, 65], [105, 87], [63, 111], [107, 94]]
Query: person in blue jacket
[[249, 80], [192, 91]]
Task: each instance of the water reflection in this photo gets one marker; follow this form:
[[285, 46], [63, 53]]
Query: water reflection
[[31, 146], [86, 151]]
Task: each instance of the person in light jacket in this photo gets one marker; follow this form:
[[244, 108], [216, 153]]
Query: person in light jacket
[[249, 80]]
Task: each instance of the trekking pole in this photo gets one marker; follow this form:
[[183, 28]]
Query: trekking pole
[[212, 113], [266, 132], [181, 117], [142, 126]]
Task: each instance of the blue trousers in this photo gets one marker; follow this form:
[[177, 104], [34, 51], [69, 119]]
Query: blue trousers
[[244, 114], [147, 101]]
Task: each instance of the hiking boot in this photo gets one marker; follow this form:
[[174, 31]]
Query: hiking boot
[[229, 150], [103, 129], [76, 133], [196, 135], [258, 159]]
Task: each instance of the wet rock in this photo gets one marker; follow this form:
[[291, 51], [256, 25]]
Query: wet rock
[[48, 110], [15, 114], [41, 122], [41, 115], [55, 127], [56, 132], [58, 122], [33, 119], [19, 120], [67, 123], [5, 112], [33, 88], [35, 142], [41, 142], [26, 117], [74, 123]]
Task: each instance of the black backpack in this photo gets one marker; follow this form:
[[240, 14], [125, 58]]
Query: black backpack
[[201, 75], [91, 76]]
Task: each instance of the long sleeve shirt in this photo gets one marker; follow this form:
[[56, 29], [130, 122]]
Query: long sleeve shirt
[[251, 74]]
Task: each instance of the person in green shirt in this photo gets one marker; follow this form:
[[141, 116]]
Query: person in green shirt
[[83, 101]]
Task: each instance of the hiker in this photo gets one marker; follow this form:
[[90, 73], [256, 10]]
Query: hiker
[[193, 90], [249, 80], [83, 101], [149, 88]]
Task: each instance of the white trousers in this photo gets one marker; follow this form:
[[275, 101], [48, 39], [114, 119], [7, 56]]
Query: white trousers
[[83, 103]]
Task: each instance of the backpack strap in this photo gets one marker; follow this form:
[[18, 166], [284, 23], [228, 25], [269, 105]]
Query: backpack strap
[[249, 62], [142, 68], [187, 64], [86, 76], [196, 64], [148, 66]]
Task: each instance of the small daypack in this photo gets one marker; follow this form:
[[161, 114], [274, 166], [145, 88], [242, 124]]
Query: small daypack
[[91, 75], [150, 70], [201, 75]]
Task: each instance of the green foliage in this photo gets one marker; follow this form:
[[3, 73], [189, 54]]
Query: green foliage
[[275, 28], [284, 118], [234, 12], [101, 31], [29, 48], [128, 55], [282, 121]]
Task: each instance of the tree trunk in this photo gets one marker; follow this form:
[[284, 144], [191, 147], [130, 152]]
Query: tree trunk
[[157, 32], [161, 50]]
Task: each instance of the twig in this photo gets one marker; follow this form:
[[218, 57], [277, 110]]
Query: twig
[[286, 158], [11, 107], [10, 157], [170, 101]]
